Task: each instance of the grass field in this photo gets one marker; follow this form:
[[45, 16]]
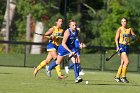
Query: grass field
[[21, 80]]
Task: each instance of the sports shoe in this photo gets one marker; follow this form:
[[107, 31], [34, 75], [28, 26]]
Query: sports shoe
[[66, 69], [62, 77], [124, 80], [48, 72], [46, 67], [78, 80], [117, 79], [81, 73], [35, 71]]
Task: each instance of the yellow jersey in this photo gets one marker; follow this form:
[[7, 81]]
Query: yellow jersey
[[58, 33], [125, 34]]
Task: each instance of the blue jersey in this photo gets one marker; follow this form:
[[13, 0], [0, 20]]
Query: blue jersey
[[71, 39], [77, 46], [77, 43], [70, 43]]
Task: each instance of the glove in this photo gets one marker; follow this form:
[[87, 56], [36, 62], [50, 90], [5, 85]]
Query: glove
[[133, 37]]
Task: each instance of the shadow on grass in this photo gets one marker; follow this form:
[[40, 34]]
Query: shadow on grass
[[121, 84], [5, 73], [106, 83]]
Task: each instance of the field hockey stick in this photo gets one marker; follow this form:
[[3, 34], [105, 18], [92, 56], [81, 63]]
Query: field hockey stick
[[43, 35], [73, 54], [108, 58], [39, 34], [47, 35]]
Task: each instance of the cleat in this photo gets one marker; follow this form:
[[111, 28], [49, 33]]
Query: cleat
[[35, 71], [81, 73], [46, 67], [124, 80], [66, 69], [48, 73], [62, 77], [78, 80], [117, 79]]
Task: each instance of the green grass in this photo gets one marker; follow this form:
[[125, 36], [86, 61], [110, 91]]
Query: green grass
[[21, 80]]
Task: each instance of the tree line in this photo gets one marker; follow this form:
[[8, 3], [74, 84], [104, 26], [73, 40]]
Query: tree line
[[98, 19]]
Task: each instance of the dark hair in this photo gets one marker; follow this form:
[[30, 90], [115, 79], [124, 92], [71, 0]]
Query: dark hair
[[59, 18], [124, 18], [71, 21]]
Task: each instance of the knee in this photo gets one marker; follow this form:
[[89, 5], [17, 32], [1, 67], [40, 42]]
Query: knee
[[58, 63], [47, 61], [126, 63]]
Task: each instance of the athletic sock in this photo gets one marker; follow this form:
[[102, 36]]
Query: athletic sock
[[71, 65], [52, 66], [58, 70], [78, 68], [124, 71], [42, 64], [119, 72], [75, 70]]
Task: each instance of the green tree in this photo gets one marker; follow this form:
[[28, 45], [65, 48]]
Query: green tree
[[38, 9], [116, 10], [2, 10]]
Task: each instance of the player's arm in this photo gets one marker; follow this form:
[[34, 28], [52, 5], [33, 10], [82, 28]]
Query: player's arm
[[66, 35], [48, 34], [133, 35], [117, 39]]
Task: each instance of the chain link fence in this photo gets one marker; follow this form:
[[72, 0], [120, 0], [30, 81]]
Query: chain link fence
[[92, 61]]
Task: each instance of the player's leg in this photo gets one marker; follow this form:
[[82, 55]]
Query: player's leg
[[61, 53], [50, 47], [117, 77], [124, 57], [69, 67], [42, 64], [56, 64], [52, 50], [53, 54], [58, 68], [72, 64], [79, 62], [45, 62], [124, 62], [76, 70]]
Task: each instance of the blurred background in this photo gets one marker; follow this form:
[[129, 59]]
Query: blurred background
[[98, 20]]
